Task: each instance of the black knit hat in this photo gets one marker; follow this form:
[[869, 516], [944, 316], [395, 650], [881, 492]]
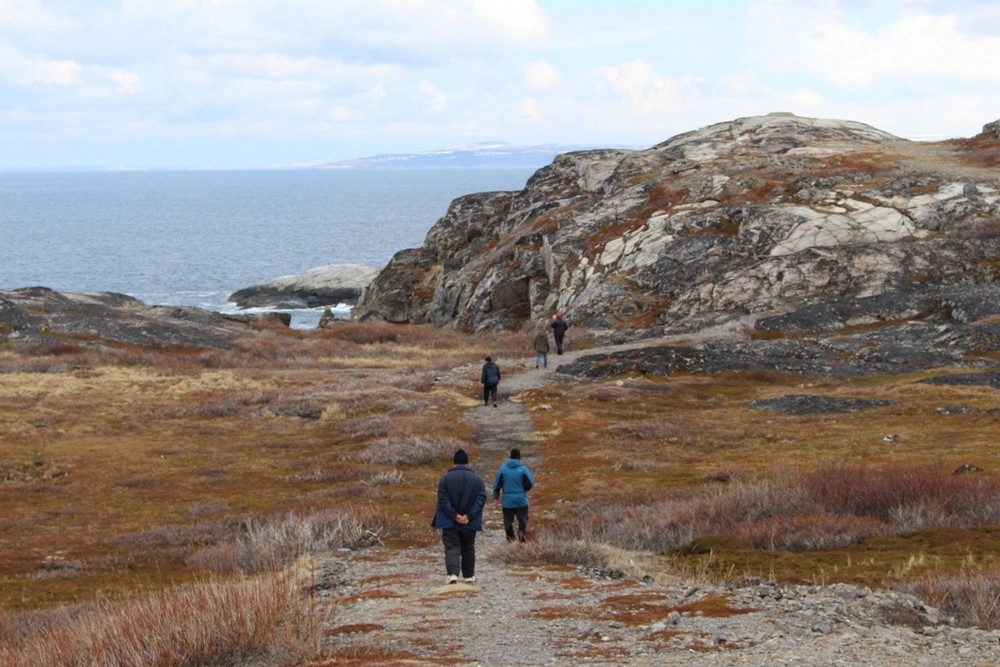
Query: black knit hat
[[515, 453], [460, 458]]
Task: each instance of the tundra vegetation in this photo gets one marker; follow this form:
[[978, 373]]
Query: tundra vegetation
[[170, 506]]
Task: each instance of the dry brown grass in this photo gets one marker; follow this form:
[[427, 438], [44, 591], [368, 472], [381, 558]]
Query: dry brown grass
[[829, 508], [125, 470], [551, 548], [262, 620], [118, 465], [972, 598], [268, 545], [694, 473]]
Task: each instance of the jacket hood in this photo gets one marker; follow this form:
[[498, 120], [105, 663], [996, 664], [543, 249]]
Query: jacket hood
[[513, 463]]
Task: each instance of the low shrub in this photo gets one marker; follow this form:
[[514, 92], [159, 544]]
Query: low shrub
[[366, 427], [295, 406], [906, 496], [808, 532], [260, 620], [267, 545], [829, 508], [330, 474], [386, 478], [972, 599], [655, 430], [418, 382], [408, 450], [553, 549], [365, 333]]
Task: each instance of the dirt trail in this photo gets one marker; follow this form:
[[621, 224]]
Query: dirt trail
[[394, 608], [397, 601]]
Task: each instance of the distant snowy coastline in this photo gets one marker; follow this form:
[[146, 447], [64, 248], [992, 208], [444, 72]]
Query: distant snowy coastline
[[475, 156]]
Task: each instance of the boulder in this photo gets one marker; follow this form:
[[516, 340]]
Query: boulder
[[323, 286]]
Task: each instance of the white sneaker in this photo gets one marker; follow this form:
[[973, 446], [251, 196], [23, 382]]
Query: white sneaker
[[452, 578], [470, 580]]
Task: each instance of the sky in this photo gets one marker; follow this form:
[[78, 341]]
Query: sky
[[270, 83]]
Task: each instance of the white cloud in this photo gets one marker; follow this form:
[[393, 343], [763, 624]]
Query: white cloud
[[802, 100], [411, 30], [23, 70], [128, 82], [343, 113], [540, 76], [281, 67], [436, 100], [516, 20], [410, 75], [818, 39], [642, 89], [527, 112], [19, 16]]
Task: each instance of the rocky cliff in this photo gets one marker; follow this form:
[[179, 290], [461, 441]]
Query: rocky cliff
[[778, 222]]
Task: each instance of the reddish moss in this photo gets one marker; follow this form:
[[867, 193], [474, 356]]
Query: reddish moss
[[354, 629]]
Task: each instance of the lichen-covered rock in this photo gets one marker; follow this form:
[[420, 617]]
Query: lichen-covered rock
[[756, 217], [40, 316], [323, 286]]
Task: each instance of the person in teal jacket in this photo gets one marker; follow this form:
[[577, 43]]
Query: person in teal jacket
[[511, 486]]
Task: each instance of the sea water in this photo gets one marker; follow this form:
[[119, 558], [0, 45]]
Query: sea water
[[192, 238]]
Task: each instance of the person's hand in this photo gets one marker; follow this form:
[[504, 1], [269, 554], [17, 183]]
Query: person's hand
[[462, 519]]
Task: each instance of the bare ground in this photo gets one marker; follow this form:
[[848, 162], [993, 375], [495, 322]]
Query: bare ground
[[393, 607]]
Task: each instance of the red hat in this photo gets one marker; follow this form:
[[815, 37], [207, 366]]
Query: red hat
[[558, 316]]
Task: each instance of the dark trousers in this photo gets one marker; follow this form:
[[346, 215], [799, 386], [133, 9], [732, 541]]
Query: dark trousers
[[522, 522], [489, 391], [559, 344], [459, 551]]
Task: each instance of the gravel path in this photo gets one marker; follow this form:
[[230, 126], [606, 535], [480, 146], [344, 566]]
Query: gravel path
[[396, 603], [514, 615]]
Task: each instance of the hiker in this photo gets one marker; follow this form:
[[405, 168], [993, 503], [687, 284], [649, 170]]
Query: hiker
[[541, 347], [511, 486], [460, 500], [559, 326], [490, 378]]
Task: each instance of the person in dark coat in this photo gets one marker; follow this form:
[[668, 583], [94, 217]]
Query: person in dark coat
[[461, 497], [511, 485], [490, 377], [559, 326]]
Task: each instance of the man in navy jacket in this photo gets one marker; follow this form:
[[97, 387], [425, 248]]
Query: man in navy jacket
[[559, 326], [490, 377], [460, 500]]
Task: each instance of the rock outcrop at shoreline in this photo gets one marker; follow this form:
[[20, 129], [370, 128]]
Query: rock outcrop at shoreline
[[825, 223], [41, 316], [323, 286]]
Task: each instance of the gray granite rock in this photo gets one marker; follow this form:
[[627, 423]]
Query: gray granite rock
[[41, 316], [813, 224], [323, 286]]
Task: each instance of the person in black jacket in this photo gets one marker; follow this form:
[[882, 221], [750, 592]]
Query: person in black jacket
[[461, 497], [559, 326], [490, 377]]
